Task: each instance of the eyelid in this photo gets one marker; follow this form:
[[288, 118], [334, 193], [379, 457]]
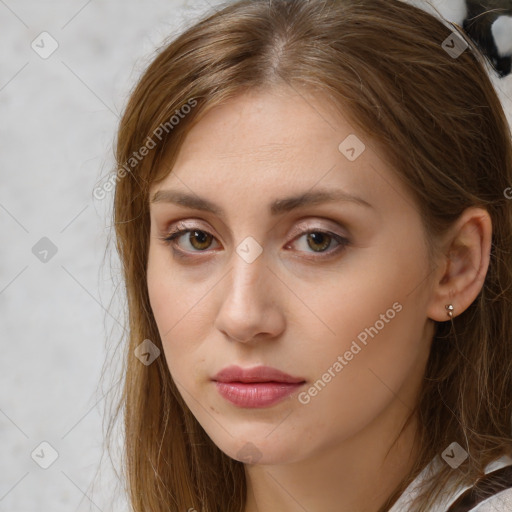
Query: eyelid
[[298, 229], [180, 228], [312, 225]]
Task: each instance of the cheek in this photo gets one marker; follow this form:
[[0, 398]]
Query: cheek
[[168, 308], [367, 299], [178, 304], [171, 296], [373, 319], [351, 382]]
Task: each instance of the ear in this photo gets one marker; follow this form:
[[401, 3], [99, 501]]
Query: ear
[[463, 264]]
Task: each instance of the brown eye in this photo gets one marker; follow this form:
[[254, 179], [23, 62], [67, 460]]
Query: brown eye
[[200, 240], [319, 241]]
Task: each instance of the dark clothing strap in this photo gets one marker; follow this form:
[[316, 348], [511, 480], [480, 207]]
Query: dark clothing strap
[[488, 485]]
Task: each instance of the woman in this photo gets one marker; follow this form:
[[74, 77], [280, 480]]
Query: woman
[[312, 216]]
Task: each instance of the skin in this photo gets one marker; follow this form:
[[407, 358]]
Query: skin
[[299, 304]]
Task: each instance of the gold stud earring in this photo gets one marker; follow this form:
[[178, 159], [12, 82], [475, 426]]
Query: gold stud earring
[[450, 309]]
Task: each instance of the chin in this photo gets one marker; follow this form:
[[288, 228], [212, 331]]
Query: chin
[[260, 447], [253, 452]]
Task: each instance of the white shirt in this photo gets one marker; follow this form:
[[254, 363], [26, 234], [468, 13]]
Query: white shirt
[[501, 502]]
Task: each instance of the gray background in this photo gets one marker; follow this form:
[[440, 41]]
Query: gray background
[[60, 318]]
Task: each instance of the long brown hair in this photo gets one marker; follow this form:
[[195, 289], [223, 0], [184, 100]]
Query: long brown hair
[[437, 119]]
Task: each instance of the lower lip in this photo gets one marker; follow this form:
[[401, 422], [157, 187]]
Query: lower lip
[[256, 394]]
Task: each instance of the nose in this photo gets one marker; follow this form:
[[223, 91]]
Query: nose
[[250, 304]]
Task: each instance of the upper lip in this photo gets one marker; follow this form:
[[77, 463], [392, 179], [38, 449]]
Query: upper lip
[[256, 374]]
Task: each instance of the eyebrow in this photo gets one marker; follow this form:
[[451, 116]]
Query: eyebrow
[[277, 207]]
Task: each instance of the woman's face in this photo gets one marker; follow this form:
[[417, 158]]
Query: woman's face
[[333, 293]]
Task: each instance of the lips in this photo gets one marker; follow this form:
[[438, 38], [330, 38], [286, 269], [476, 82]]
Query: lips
[[256, 374], [257, 387]]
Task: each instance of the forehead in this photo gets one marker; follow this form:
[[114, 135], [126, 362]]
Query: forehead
[[267, 144], [265, 126]]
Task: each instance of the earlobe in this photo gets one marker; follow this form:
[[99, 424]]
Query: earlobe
[[463, 266]]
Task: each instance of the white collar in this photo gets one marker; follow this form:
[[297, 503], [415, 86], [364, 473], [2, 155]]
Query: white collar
[[405, 500]]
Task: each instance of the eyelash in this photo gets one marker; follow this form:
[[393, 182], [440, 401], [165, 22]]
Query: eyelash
[[171, 237]]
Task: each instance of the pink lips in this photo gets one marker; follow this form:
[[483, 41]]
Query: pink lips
[[260, 386]]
